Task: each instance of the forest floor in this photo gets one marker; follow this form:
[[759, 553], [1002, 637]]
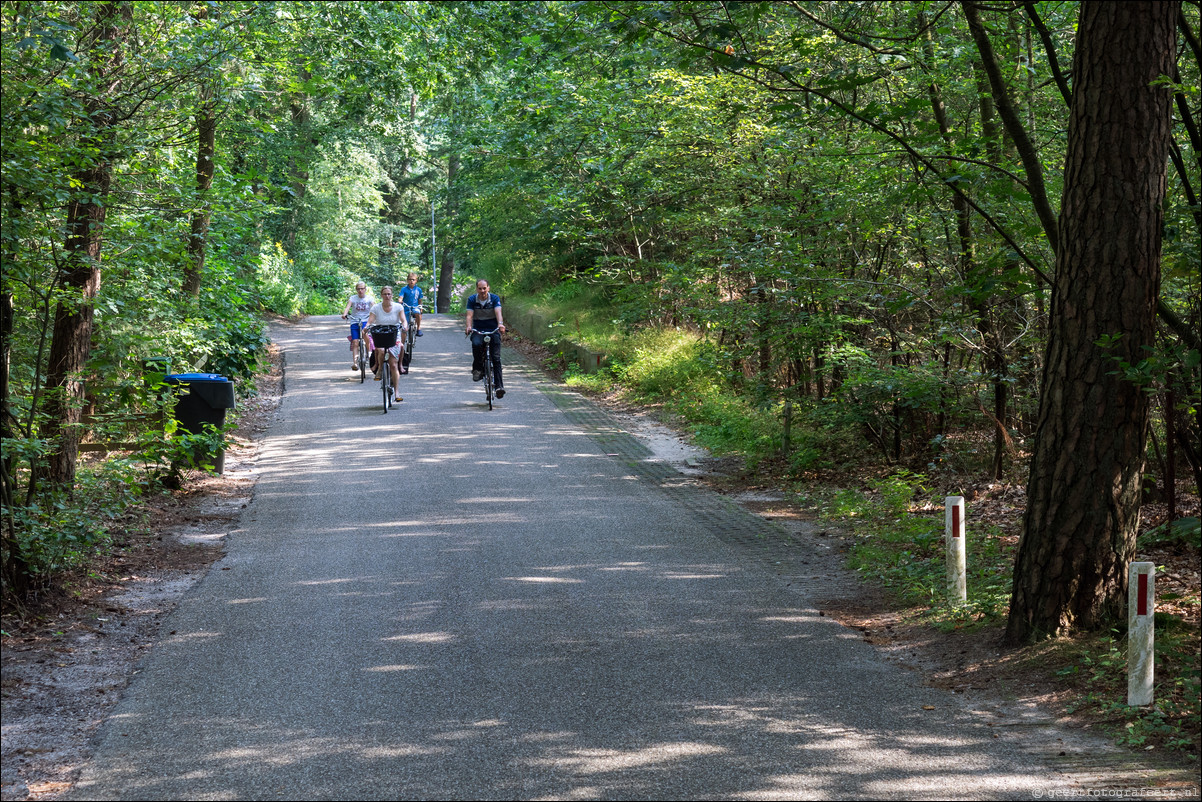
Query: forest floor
[[68, 656]]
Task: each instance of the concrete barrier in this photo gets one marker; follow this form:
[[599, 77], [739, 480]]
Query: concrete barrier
[[538, 327]]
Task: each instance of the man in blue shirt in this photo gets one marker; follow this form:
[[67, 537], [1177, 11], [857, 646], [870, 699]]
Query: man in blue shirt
[[484, 314]]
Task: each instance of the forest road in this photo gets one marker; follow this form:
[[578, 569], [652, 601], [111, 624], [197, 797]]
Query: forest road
[[450, 603]]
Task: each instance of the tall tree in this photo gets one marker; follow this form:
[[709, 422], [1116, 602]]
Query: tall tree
[[80, 277], [1083, 491]]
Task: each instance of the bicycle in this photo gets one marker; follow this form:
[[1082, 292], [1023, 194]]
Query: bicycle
[[488, 366], [363, 349], [411, 336], [363, 352], [382, 365]]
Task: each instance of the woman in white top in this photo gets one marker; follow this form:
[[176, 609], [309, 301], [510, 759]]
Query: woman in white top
[[388, 315]]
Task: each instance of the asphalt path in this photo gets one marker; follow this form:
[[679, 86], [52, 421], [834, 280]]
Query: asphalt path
[[447, 602]]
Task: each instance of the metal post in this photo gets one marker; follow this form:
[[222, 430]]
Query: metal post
[[1141, 629], [433, 257], [957, 587]]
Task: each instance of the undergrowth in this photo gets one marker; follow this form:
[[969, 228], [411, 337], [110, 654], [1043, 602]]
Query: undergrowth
[[901, 549]]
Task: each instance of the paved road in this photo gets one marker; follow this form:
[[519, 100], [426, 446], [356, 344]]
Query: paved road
[[449, 603]]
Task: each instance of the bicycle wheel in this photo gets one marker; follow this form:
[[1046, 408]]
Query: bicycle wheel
[[386, 384], [488, 383], [362, 358]]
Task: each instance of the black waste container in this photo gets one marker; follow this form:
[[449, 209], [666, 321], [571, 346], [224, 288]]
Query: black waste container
[[203, 398]]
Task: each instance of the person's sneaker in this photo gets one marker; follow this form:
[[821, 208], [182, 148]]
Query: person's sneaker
[[419, 332], [500, 392], [355, 365], [477, 375], [377, 377]]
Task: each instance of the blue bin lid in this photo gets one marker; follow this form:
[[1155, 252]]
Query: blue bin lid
[[196, 377]]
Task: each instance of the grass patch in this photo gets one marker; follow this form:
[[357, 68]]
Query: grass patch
[[897, 543], [903, 550], [1097, 666]]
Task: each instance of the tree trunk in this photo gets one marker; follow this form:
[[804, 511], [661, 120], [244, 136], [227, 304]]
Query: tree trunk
[[80, 280], [1083, 493], [446, 270], [206, 127], [206, 149]]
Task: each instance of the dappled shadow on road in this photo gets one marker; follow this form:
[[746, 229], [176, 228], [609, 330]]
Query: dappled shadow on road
[[619, 680], [417, 608]]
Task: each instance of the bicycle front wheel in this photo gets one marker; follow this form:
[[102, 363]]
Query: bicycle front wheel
[[362, 361], [386, 385]]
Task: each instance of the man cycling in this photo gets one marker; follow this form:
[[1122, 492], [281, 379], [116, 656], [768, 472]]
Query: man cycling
[[484, 314], [358, 306]]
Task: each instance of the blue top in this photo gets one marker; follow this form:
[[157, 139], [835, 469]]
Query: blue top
[[411, 298], [484, 313]]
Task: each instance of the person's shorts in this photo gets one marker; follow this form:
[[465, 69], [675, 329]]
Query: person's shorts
[[384, 336], [355, 330]]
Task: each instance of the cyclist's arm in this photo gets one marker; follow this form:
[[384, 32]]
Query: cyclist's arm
[[500, 320], [468, 322], [347, 311]]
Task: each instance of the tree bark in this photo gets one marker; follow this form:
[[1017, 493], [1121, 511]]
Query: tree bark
[[446, 269], [206, 149], [1083, 493], [80, 280]]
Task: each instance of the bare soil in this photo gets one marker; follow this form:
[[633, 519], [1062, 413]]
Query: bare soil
[[68, 656]]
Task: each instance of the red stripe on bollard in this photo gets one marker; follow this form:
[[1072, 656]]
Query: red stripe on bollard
[[955, 520], [1142, 599]]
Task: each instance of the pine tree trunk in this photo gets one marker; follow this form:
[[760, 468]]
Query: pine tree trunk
[[1083, 493]]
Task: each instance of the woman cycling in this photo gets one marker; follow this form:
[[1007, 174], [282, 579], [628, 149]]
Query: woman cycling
[[391, 318]]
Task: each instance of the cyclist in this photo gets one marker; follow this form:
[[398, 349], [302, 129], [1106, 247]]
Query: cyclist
[[388, 341], [484, 314], [357, 308], [411, 301]]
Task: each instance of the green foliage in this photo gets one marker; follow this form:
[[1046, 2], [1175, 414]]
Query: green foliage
[[59, 530], [1174, 719], [165, 460], [1186, 531], [667, 364], [903, 551]]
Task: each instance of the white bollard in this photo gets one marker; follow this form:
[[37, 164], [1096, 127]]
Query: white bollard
[[957, 588], [1141, 630]]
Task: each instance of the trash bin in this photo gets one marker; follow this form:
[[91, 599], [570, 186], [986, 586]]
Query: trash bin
[[205, 399]]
